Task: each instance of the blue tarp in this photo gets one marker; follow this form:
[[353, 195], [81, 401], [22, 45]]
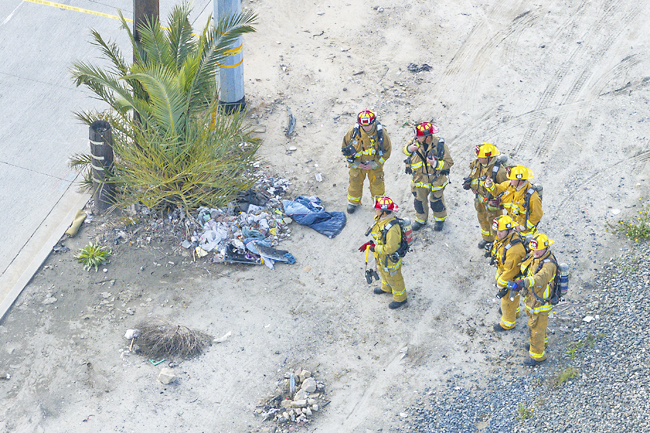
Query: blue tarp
[[309, 212]]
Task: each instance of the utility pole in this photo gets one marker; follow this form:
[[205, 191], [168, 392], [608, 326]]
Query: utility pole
[[231, 73], [142, 9]]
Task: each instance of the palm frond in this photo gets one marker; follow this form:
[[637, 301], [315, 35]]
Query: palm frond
[[167, 101], [112, 52], [154, 43], [139, 55], [179, 38]]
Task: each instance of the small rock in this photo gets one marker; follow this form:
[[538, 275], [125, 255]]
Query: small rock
[[304, 375], [106, 295], [49, 300], [315, 408], [309, 385], [293, 148], [299, 403], [287, 220], [285, 404], [588, 319], [166, 376], [300, 395], [307, 268], [404, 414], [130, 311]]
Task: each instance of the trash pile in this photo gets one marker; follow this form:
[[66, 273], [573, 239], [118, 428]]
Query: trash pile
[[247, 232], [296, 400]]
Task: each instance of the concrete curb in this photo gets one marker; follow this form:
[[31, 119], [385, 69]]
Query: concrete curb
[[39, 246]]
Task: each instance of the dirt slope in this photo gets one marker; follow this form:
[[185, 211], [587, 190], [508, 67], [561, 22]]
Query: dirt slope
[[561, 87]]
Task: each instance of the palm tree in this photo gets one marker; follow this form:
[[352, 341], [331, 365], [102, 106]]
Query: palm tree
[[180, 151]]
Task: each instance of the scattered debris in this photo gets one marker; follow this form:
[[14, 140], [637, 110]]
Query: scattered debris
[[309, 211], [292, 123], [223, 338], [60, 248], [130, 334], [413, 67], [4, 376]]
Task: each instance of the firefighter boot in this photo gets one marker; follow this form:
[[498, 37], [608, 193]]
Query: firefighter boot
[[394, 305], [530, 362], [498, 328], [379, 291], [439, 225], [417, 225], [351, 208]]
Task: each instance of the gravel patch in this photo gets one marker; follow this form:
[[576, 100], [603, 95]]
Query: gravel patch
[[597, 378]]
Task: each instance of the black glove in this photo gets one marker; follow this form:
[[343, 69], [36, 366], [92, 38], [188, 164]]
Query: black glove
[[503, 292], [467, 183]]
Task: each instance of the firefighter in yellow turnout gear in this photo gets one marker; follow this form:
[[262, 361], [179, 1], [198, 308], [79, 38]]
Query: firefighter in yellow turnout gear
[[366, 147], [539, 277], [507, 252], [388, 242], [429, 162], [519, 199], [488, 164]]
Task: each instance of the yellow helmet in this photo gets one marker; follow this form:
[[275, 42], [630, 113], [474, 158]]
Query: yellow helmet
[[540, 242], [486, 150], [519, 172], [504, 222]]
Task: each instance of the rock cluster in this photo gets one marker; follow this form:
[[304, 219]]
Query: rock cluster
[[298, 397]]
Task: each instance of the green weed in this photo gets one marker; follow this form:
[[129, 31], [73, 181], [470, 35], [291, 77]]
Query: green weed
[[92, 255], [524, 412], [566, 374], [637, 227]]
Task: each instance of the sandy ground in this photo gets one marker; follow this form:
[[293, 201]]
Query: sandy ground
[[558, 85]]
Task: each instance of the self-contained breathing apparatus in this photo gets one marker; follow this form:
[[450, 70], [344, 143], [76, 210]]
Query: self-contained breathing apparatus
[[350, 151]]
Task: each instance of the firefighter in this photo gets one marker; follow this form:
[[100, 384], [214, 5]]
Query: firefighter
[[538, 283], [519, 199], [366, 147], [486, 165], [429, 162], [508, 252], [388, 242]]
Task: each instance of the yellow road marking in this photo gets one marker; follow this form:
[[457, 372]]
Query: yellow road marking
[[230, 52], [76, 9]]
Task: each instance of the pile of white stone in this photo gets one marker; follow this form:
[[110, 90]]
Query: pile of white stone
[[295, 401]]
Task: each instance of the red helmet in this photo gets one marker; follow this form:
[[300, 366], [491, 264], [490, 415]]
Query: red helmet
[[425, 129], [385, 203], [366, 118]]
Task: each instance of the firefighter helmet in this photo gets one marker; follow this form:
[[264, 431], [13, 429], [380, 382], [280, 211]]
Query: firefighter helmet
[[425, 129], [540, 242], [504, 222], [366, 118], [385, 203], [519, 172], [486, 150]]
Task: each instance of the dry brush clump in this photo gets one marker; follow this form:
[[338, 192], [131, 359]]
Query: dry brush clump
[[159, 339]]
